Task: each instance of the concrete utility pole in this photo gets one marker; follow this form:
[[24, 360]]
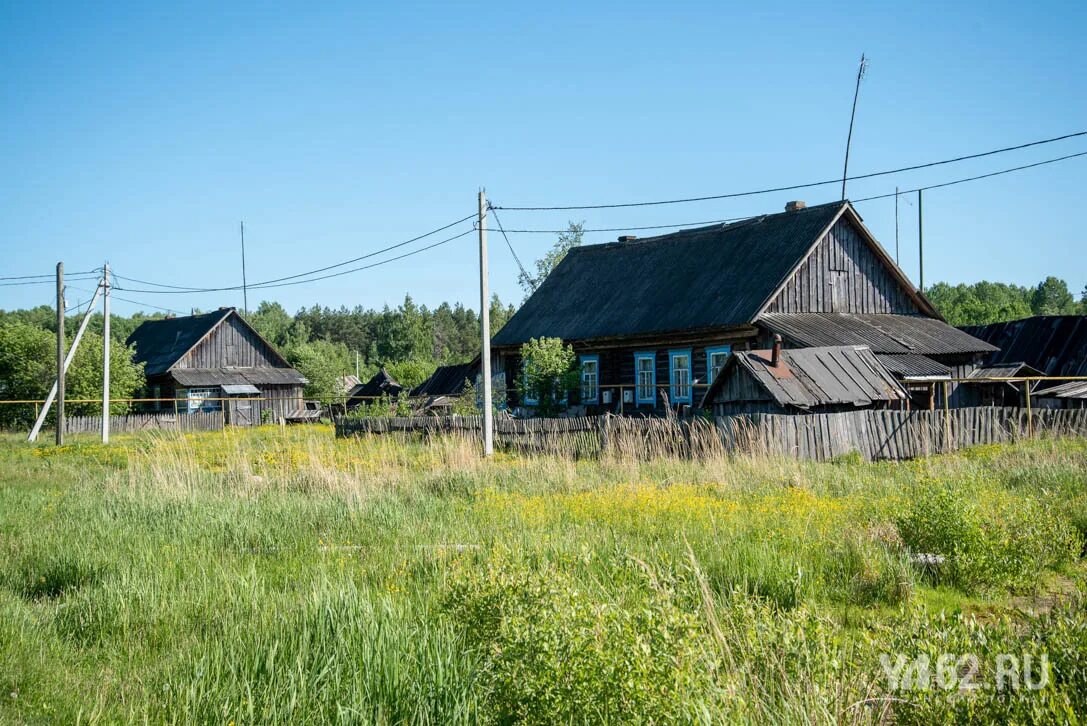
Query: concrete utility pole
[[105, 354], [485, 325], [920, 245], [60, 354], [65, 365]]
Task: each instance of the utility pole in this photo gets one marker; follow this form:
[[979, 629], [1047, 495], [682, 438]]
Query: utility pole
[[60, 354], [849, 139], [896, 227], [485, 326], [245, 291], [356, 364], [920, 244], [105, 354]]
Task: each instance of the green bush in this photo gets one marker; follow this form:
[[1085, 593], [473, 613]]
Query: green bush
[[987, 540], [554, 653]]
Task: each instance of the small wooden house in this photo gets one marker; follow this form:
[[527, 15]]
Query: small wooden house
[[654, 320], [381, 385], [215, 362], [804, 380], [445, 385]]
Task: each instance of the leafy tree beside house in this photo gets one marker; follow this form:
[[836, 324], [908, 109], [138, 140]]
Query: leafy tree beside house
[[572, 237], [550, 373]]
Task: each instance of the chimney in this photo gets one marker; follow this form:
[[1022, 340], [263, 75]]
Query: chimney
[[775, 353], [628, 237], [795, 206]]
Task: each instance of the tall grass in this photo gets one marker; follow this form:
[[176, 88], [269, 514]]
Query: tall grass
[[284, 576]]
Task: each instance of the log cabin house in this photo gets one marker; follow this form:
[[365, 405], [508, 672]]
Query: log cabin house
[[215, 362], [654, 320]]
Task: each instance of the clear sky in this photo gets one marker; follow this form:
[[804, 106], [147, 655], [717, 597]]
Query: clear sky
[[142, 133]]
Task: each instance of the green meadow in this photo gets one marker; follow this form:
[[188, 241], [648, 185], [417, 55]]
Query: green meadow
[[281, 576]]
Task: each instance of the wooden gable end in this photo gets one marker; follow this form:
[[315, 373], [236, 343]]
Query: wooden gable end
[[232, 343], [843, 273]]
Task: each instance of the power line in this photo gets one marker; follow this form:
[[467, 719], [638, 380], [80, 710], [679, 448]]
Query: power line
[[524, 272], [301, 274], [972, 178], [45, 282], [52, 276], [793, 187], [312, 279], [901, 192]]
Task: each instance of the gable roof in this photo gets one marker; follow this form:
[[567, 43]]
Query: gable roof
[[161, 343], [1054, 344], [809, 377], [380, 384], [707, 277], [882, 332], [448, 380]]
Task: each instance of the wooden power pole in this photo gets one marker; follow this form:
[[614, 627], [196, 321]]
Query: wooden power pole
[[105, 354], [485, 326], [60, 354]]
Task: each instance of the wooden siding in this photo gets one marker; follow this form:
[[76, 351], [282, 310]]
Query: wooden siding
[[231, 344], [843, 275]]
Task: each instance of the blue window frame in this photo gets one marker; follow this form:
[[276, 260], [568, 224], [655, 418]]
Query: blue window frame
[[645, 377], [590, 379], [716, 358], [679, 376]]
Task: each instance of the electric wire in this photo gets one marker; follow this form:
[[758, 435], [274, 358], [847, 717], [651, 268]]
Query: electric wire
[[51, 275], [524, 273], [792, 187], [300, 274]]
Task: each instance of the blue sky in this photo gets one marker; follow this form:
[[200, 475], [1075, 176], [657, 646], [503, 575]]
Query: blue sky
[[141, 134]]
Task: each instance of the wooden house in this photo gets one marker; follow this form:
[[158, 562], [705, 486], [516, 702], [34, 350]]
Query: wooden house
[[380, 385], [803, 380], [215, 361], [1050, 345], [445, 385], [655, 320]]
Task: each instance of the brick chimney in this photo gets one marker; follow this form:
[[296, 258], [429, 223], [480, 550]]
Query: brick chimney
[[775, 352], [795, 206], [628, 237]]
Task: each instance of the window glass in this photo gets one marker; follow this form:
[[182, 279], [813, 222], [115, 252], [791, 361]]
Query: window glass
[[646, 374], [590, 378], [715, 361], [681, 377]]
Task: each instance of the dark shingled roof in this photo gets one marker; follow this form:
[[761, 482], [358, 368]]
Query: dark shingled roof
[[882, 333], [697, 278], [1054, 344], [380, 384], [161, 343], [448, 380], [810, 377]]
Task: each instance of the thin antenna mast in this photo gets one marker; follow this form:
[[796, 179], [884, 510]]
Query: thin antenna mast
[[245, 292], [849, 139], [896, 227]]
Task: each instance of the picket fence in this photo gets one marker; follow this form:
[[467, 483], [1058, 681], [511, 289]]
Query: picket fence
[[874, 435], [131, 423]]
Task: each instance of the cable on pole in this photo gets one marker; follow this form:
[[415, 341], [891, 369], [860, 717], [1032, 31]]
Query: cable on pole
[[524, 273], [793, 187]]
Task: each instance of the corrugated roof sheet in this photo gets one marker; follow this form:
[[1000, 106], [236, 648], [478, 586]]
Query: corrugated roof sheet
[[912, 365], [237, 389], [448, 380], [237, 376], [882, 333], [1054, 344], [809, 377], [1005, 370], [1073, 389], [697, 278], [161, 343]]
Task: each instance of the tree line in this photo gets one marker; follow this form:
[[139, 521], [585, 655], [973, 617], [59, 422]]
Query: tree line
[[996, 302]]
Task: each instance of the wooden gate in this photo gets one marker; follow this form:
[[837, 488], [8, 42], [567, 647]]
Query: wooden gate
[[243, 412]]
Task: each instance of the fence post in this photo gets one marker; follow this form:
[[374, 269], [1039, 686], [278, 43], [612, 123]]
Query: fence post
[[947, 418], [1030, 418]]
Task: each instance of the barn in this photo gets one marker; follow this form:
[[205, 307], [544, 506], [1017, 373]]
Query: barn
[[215, 362], [654, 321]]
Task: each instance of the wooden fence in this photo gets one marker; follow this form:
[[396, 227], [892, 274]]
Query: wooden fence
[[873, 435], [131, 423]]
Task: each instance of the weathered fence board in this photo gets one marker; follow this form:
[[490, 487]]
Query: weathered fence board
[[874, 435], [131, 423]]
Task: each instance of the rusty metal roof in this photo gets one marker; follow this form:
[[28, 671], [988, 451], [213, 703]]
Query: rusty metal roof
[[808, 377], [883, 333]]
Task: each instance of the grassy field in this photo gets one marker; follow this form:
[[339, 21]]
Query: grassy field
[[281, 576]]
